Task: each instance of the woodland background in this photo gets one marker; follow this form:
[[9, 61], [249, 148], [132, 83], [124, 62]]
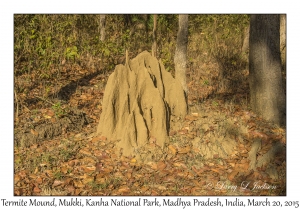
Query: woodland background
[[60, 70]]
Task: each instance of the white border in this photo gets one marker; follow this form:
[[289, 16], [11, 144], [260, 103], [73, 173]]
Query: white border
[[8, 8]]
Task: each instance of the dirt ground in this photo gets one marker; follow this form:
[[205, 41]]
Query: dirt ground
[[220, 144]]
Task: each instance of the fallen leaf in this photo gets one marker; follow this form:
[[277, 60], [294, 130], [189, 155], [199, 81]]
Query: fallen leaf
[[103, 138], [36, 190], [78, 184], [70, 189], [172, 133], [17, 178], [133, 160], [161, 165], [64, 169], [184, 150], [57, 183], [39, 180], [180, 165], [34, 132], [89, 169], [124, 189], [88, 180], [128, 175], [77, 191], [191, 117], [85, 152], [232, 175], [173, 149]]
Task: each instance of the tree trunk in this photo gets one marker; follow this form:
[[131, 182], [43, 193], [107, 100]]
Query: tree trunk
[[102, 28], [266, 89], [181, 51], [154, 44], [283, 38], [245, 47]]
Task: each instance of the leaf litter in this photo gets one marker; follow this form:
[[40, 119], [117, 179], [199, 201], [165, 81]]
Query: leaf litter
[[76, 162]]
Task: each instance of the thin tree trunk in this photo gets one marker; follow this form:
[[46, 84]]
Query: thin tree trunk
[[180, 59], [266, 88], [154, 43], [102, 28], [283, 38]]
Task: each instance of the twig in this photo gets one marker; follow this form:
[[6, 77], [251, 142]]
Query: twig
[[17, 111], [45, 100]]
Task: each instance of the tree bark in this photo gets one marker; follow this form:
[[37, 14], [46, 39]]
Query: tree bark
[[266, 87], [283, 38], [180, 59], [154, 44], [102, 28]]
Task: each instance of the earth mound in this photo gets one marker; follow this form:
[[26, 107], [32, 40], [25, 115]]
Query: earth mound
[[139, 99]]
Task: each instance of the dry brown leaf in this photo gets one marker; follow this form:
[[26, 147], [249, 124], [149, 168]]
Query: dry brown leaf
[[172, 133], [64, 169], [84, 97], [216, 156], [17, 191], [217, 170], [96, 139], [133, 160], [70, 189], [243, 166], [107, 169], [184, 150], [173, 149], [161, 165], [88, 179], [39, 180], [125, 164], [232, 164], [77, 191], [50, 113], [244, 161], [34, 132], [182, 132], [182, 174], [180, 164], [153, 165], [85, 151], [191, 117], [195, 114], [232, 175], [89, 169], [57, 183], [37, 189], [103, 138], [196, 191], [78, 184], [100, 180], [128, 175], [17, 178], [124, 189], [258, 134], [144, 189], [23, 174], [73, 162], [154, 193]]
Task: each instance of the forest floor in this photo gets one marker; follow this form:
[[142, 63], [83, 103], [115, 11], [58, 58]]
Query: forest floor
[[56, 151]]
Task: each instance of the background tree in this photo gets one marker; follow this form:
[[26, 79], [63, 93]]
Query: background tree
[[102, 27], [266, 89], [181, 51], [154, 44]]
